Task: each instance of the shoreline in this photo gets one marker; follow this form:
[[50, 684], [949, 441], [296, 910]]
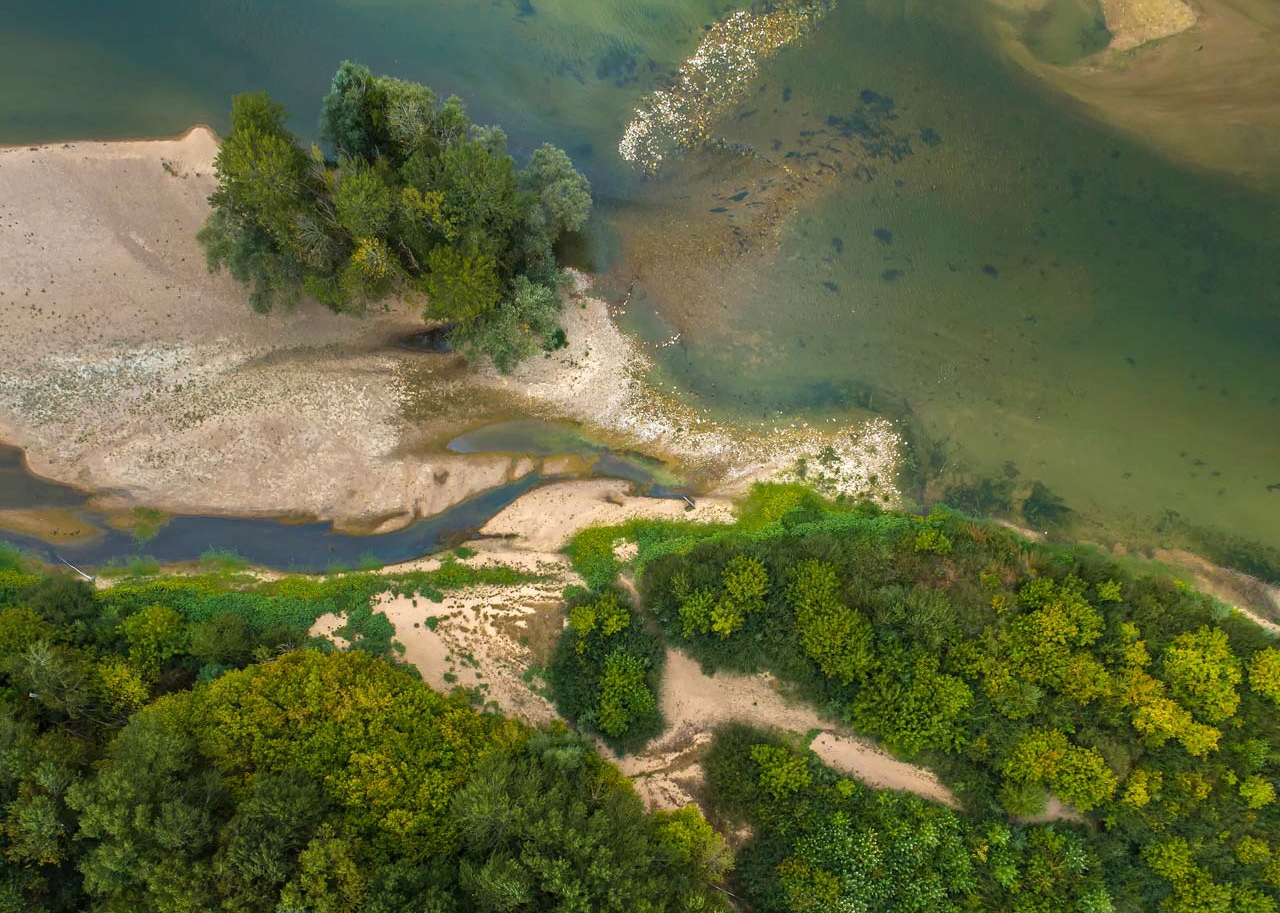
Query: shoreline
[[129, 369], [63, 143]]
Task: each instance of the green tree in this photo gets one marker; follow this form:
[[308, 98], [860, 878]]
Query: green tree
[[1203, 673], [910, 703], [745, 582], [1264, 673], [781, 772], [1077, 775], [624, 695], [362, 201], [835, 636], [462, 287], [525, 323], [155, 635]]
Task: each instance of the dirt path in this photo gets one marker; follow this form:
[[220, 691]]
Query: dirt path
[[694, 704]]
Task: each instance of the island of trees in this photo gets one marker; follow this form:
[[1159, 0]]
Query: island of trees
[[408, 198]]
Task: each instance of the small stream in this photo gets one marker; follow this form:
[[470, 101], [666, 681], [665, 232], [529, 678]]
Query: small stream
[[315, 547]]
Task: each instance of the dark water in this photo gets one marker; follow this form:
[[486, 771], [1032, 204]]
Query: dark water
[[19, 489], [972, 253], [298, 547]]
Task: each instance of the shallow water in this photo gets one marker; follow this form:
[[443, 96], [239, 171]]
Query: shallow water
[[1029, 291], [958, 246], [535, 437], [297, 547], [20, 490]]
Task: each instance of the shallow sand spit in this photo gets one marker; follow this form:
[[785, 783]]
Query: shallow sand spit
[[1135, 22], [125, 366]]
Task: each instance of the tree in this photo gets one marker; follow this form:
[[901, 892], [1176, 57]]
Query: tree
[[1203, 673], [605, 671], [155, 635], [415, 198], [624, 695], [745, 583], [60, 599], [462, 286], [1078, 775], [560, 202], [347, 114], [528, 321], [1264, 673], [781, 772], [549, 826], [362, 201], [911, 704], [836, 637]]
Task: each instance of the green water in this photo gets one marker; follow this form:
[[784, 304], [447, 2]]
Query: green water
[[1015, 283]]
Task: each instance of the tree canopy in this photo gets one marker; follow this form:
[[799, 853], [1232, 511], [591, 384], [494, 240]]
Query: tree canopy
[[169, 746], [410, 199]]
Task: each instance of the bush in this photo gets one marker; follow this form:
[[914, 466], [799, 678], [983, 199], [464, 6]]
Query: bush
[[606, 672]]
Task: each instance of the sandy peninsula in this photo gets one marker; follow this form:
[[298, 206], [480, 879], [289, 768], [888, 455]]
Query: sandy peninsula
[[126, 368]]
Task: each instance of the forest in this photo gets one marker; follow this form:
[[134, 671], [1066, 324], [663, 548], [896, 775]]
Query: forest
[[407, 198], [179, 744], [1018, 672], [1110, 735]]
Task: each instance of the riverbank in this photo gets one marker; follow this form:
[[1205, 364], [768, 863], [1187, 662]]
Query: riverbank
[[127, 369]]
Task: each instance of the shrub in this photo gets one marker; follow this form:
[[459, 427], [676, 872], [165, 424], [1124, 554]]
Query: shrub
[[605, 672]]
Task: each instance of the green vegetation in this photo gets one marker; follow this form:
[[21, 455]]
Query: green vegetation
[[605, 672], [1015, 671], [292, 604], [825, 842], [162, 749], [412, 199]]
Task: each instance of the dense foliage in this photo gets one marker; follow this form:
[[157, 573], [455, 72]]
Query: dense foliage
[[412, 198], [605, 672], [164, 748], [1014, 670], [824, 842]]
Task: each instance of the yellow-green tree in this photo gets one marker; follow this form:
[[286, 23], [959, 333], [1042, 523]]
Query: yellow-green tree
[[1203, 673], [835, 636]]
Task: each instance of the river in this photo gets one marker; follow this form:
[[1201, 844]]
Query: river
[[900, 219]]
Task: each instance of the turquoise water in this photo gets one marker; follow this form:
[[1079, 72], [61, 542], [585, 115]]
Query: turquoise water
[[1035, 297]]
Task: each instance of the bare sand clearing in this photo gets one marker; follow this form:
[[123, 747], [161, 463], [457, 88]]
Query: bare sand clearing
[[546, 518], [1136, 22], [694, 704], [125, 365]]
